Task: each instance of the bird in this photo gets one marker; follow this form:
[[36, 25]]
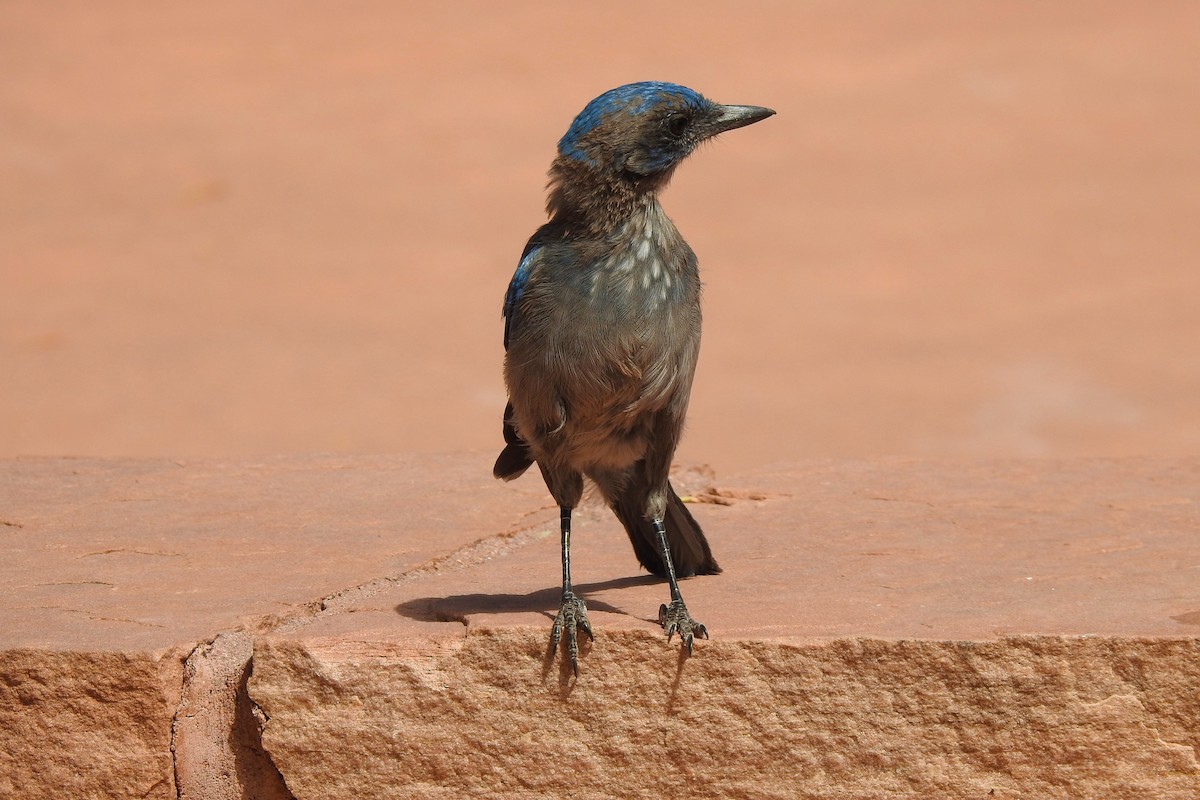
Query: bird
[[602, 332]]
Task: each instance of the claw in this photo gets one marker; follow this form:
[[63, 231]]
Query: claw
[[676, 619], [572, 616]]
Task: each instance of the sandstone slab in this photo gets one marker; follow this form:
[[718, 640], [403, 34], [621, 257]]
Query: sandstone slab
[[377, 626]]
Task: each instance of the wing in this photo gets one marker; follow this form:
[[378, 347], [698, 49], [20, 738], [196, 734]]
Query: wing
[[516, 457], [516, 288]]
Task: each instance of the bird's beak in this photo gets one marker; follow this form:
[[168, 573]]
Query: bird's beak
[[739, 117]]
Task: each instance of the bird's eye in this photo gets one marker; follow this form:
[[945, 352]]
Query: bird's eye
[[677, 123]]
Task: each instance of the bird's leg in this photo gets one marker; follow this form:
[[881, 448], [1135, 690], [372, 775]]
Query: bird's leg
[[572, 614], [675, 617]]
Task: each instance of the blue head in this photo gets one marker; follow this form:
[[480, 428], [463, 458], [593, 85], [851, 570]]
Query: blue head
[[645, 129]]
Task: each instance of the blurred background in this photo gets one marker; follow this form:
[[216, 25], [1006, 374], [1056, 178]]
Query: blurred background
[[973, 229]]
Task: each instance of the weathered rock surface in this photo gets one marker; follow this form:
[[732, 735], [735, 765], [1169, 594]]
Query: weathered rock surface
[[377, 627], [1017, 717]]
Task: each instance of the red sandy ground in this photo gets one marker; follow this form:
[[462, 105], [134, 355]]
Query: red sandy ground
[[233, 228]]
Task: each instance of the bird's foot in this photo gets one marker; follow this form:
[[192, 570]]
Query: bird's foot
[[675, 619], [572, 616]]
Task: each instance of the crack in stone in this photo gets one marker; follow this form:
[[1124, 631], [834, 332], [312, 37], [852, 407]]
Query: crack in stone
[[478, 552], [189, 672], [97, 617], [130, 551], [216, 732]]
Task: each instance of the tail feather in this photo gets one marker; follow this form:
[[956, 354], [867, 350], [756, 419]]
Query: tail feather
[[690, 553], [516, 457], [512, 462]]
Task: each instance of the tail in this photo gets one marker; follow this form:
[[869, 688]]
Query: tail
[[690, 553], [516, 457]]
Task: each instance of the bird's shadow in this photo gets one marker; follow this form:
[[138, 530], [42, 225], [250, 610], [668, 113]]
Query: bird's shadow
[[457, 607]]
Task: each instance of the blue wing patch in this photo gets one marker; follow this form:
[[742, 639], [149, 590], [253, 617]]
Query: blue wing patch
[[516, 288]]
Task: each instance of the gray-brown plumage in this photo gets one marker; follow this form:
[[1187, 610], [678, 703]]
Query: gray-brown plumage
[[602, 332]]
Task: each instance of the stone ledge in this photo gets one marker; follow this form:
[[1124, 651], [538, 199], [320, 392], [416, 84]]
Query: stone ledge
[[883, 628], [1017, 717]]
